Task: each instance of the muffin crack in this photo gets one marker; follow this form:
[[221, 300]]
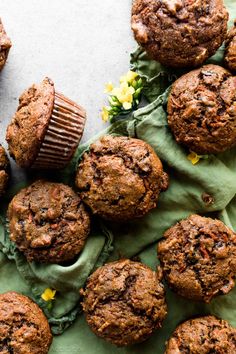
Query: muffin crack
[[129, 164], [197, 257], [201, 112], [120, 304], [48, 222], [120, 178], [23, 326], [206, 334], [199, 28]]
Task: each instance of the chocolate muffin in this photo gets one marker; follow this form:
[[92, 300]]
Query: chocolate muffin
[[124, 302], [23, 327], [179, 33], [5, 45], [120, 178], [198, 258], [230, 49], [203, 335], [46, 129], [48, 222], [4, 170], [202, 110]]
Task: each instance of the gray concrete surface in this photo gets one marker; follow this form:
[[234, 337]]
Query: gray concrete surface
[[80, 44]]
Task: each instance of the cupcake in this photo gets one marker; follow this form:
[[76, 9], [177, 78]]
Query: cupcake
[[204, 335], [124, 302], [230, 49], [179, 33], [4, 170], [198, 258], [48, 222], [46, 129], [5, 45], [120, 178], [23, 327], [202, 110]]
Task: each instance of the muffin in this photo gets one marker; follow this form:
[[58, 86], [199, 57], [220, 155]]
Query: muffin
[[230, 49], [23, 327], [5, 45], [202, 110], [124, 302], [48, 222], [203, 335], [4, 170], [179, 33], [198, 258], [120, 178], [46, 129]]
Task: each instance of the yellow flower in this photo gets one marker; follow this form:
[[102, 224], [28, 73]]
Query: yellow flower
[[129, 77], [48, 294], [124, 94], [105, 114], [194, 158], [108, 87], [127, 105]]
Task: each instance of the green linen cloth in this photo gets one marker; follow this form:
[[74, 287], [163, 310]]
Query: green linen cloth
[[214, 177], [66, 279]]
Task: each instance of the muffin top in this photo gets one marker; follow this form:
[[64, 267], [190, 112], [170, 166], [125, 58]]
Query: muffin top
[[124, 302], [23, 327], [5, 45], [202, 110], [28, 127], [120, 178], [203, 335], [198, 258], [4, 167], [230, 48], [179, 33], [48, 222]]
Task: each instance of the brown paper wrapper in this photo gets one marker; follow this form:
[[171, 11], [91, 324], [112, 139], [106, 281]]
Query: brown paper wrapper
[[63, 134]]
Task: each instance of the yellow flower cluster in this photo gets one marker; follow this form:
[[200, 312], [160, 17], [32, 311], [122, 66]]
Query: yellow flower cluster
[[123, 98], [124, 94]]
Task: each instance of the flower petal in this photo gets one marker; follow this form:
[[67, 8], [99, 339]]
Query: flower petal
[[193, 157], [116, 91], [105, 114], [127, 105], [48, 294], [108, 87], [131, 76], [131, 90]]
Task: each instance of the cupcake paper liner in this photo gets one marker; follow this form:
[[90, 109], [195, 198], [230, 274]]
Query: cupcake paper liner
[[63, 134]]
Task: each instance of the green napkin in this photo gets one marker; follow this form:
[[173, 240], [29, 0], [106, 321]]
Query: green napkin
[[191, 188], [67, 280]]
